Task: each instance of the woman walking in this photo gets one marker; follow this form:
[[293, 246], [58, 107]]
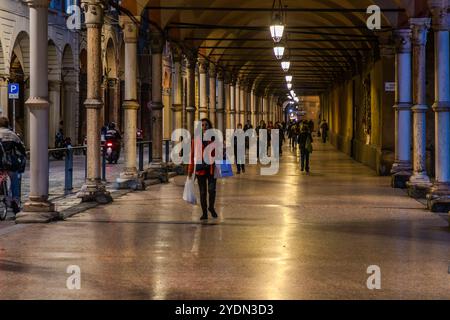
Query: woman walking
[[305, 143], [204, 173]]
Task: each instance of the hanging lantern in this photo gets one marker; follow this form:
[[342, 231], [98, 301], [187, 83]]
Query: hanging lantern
[[288, 79], [277, 25], [279, 52], [289, 86], [285, 65]]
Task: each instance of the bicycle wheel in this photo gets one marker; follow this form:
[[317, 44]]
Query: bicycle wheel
[[3, 202]]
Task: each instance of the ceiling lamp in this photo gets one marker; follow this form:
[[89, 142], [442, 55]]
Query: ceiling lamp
[[279, 52], [285, 65], [277, 25], [296, 99], [292, 92], [289, 86], [288, 79]]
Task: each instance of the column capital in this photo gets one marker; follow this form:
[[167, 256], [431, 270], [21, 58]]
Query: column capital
[[439, 10], [202, 65], [177, 54], [130, 30], [54, 85], [93, 12], [220, 74], [190, 60], [37, 3], [212, 70], [420, 28], [157, 42], [402, 38]]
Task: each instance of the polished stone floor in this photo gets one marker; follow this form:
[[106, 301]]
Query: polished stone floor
[[289, 236]]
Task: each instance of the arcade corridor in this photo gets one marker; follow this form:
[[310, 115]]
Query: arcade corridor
[[288, 236]]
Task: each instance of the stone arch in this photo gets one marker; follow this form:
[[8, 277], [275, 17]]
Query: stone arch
[[54, 91], [112, 85], [19, 72], [82, 94], [2, 60], [69, 93]]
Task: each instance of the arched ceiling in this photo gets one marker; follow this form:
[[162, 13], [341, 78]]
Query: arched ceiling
[[325, 38]]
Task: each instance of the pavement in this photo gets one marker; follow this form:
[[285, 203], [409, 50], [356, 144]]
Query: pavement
[[287, 236]]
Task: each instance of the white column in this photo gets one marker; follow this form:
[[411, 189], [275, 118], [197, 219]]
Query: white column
[[439, 196], [220, 101], [128, 176], [401, 169], [227, 117], [212, 95], [419, 181], [54, 92], [237, 98], [203, 92], [38, 208]]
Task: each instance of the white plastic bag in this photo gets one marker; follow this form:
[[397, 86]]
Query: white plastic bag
[[189, 192]]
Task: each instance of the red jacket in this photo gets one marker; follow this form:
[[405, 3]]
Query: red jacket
[[192, 164]]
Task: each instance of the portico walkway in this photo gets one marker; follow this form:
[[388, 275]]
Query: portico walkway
[[288, 236]]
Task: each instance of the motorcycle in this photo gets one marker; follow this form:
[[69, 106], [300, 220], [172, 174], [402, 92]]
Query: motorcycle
[[139, 135], [60, 143], [112, 152]]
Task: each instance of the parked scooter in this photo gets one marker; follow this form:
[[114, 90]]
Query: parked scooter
[[112, 152], [60, 142]]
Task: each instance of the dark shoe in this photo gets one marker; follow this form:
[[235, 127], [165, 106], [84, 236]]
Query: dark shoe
[[15, 207], [238, 172], [303, 169], [204, 217], [213, 213], [243, 170]]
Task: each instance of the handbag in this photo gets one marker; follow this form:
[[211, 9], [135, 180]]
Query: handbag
[[223, 170], [189, 193]]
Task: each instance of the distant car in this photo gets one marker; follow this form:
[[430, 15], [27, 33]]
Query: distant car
[[139, 135]]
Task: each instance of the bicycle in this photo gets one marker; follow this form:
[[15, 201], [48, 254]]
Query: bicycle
[[5, 194]]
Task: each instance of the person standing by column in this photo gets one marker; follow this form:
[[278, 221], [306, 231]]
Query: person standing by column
[[305, 141], [204, 172]]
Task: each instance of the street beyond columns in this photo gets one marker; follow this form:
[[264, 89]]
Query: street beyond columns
[[288, 236]]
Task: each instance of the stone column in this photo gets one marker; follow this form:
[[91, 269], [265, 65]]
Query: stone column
[[70, 109], [233, 86], [129, 176], [401, 170], [4, 96], [439, 195], [203, 68], [253, 107], [419, 182], [190, 108], [93, 189], [220, 102], [38, 208], [177, 89], [157, 45], [242, 102], [54, 92], [227, 117], [212, 95]]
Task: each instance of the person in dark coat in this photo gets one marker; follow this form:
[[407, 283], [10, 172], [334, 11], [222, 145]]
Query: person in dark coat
[[305, 143]]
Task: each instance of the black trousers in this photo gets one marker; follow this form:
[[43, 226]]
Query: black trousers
[[207, 186], [304, 159]]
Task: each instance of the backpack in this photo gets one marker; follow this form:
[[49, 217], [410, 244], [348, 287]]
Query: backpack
[[10, 158]]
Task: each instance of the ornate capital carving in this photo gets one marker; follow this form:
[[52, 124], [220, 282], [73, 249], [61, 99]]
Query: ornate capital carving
[[439, 9], [212, 70], [220, 74], [177, 54], [402, 38], [420, 27], [157, 43], [202, 65], [93, 12], [130, 30]]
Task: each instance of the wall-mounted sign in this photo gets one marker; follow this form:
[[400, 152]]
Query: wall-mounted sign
[[389, 86]]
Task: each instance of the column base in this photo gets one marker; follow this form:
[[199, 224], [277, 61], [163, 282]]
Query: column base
[[438, 198], [37, 212], [399, 179], [94, 192], [157, 171], [419, 186], [130, 179]]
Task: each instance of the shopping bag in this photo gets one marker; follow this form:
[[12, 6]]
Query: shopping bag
[[223, 170], [189, 193]]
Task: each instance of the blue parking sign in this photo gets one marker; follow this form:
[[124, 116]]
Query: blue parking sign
[[13, 90]]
